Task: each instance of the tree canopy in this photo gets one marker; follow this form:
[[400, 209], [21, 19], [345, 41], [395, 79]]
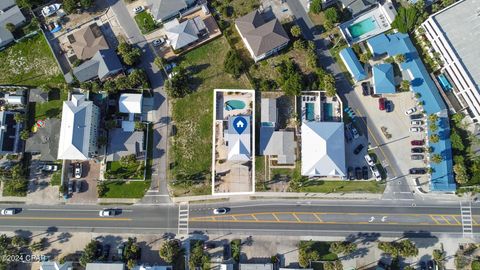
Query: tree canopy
[[89, 253], [129, 54], [177, 86], [316, 6], [405, 19], [331, 14], [290, 79], [170, 250]]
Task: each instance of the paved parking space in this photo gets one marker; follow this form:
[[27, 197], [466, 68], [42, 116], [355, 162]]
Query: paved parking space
[[39, 189], [397, 125], [90, 175]]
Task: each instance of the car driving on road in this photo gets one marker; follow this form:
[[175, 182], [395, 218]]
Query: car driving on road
[[220, 211], [9, 211], [107, 212]]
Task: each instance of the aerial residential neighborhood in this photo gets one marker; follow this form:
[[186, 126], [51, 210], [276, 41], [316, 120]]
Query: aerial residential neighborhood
[[239, 134]]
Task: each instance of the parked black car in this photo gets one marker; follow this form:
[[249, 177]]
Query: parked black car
[[388, 106], [418, 171], [418, 150], [365, 172], [351, 175], [358, 149], [79, 184], [358, 173], [416, 116], [365, 89]]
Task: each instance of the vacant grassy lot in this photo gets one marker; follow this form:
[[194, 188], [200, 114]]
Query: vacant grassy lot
[[192, 144], [122, 189], [116, 170], [29, 62], [52, 108], [343, 186], [145, 22]]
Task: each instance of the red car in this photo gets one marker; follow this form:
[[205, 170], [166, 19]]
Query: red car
[[417, 142], [381, 104]]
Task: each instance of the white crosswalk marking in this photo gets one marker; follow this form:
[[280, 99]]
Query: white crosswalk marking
[[183, 212], [467, 222]]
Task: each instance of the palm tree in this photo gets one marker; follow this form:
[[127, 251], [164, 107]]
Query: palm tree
[[436, 158], [433, 117], [296, 31], [399, 58], [405, 85], [434, 138]]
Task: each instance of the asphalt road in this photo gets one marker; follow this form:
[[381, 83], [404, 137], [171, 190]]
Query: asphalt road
[[398, 187], [260, 217], [158, 192]]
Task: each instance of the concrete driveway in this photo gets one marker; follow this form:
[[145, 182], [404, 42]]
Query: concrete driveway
[[88, 192]]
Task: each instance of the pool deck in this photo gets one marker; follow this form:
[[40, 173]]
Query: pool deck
[[319, 99], [383, 17]]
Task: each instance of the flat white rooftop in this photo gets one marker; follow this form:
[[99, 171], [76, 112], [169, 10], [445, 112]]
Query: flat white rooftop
[[460, 25]]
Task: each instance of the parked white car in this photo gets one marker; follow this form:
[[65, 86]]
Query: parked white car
[[416, 123], [50, 168], [158, 42], [411, 110], [369, 160], [138, 9], [416, 129], [376, 173]]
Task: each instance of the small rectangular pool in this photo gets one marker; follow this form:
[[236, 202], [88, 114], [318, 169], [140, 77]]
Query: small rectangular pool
[[310, 111], [327, 111], [362, 27]]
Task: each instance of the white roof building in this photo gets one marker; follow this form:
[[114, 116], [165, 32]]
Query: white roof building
[[238, 137], [181, 34], [79, 128], [14, 99], [323, 149], [130, 103], [105, 266]]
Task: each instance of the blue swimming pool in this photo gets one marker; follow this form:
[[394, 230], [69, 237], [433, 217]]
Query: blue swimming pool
[[310, 111], [362, 27], [327, 111], [234, 105], [444, 83]]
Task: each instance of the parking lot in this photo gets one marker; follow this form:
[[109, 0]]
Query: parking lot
[[40, 189], [89, 177], [394, 132]]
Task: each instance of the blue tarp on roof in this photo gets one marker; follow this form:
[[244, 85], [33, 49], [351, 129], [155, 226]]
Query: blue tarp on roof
[[383, 79], [398, 43], [353, 65]]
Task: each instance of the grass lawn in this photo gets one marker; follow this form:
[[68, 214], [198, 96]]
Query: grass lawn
[[120, 189], [56, 178], [17, 188], [242, 7], [52, 108], [192, 143], [116, 170], [343, 186], [317, 19], [145, 22], [260, 184], [323, 249], [31, 63]]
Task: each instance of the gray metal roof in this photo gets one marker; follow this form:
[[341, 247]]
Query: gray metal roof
[[101, 64], [11, 15], [45, 140], [268, 110], [262, 35], [164, 9], [358, 6], [4, 4], [277, 143], [37, 95], [181, 34], [460, 24], [122, 143]]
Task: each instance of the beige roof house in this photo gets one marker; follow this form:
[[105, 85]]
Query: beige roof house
[[88, 41], [262, 36]]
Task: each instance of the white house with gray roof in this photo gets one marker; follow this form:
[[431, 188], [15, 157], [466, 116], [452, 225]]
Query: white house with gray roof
[[163, 10], [181, 34], [10, 14], [261, 35], [79, 129]]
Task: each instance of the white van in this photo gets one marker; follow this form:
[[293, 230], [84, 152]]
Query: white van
[[369, 160]]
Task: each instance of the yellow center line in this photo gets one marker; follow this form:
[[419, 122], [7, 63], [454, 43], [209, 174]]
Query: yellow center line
[[275, 216], [65, 218], [446, 220], [317, 217], [295, 216]]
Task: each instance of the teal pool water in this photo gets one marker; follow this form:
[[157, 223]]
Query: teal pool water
[[362, 27], [234, 105], [328, 111], [267, 124], [446, 85], [310, 111]]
